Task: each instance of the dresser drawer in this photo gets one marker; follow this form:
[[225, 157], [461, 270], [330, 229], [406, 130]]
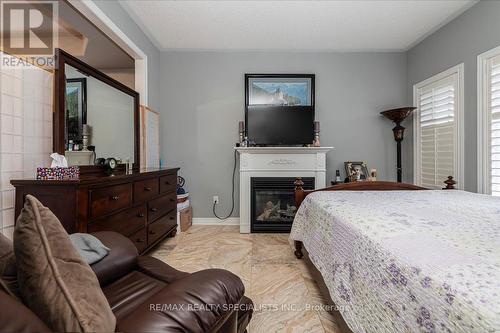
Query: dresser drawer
[[168, 183], [161, 226], [126, 222], [161, 206], [108, 199], [140, 239], [145, 189]]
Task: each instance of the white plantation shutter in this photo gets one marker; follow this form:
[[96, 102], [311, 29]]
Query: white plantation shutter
[[493, 93], [437, 108]]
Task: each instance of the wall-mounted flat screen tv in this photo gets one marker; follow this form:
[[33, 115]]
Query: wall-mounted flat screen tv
[[279, 108]]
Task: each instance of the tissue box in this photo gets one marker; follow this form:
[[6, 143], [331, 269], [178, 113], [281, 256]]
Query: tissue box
[[58, 173]]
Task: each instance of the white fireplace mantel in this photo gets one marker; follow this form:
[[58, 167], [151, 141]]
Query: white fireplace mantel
[[277, 162]]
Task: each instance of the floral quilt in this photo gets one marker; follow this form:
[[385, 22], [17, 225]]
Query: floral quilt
[[407, 261]]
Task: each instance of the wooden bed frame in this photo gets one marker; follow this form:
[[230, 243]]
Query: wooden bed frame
[[300, 194]]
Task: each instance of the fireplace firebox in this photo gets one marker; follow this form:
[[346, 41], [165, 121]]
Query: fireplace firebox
[[273, 203]]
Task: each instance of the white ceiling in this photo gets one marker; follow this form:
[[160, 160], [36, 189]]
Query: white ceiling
[[367, 25]]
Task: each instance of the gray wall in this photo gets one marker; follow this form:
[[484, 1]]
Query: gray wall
[[202, 100], [460, 41], [121, 18]]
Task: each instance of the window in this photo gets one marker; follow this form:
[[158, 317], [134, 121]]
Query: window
[[438, 139], [489, 122]]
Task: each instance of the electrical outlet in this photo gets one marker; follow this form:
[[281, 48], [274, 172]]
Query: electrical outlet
[[216, 199]]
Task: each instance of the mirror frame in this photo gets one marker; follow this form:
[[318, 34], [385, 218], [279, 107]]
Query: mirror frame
[[63, 58]]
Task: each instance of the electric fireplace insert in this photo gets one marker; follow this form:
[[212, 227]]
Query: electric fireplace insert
[[273, 203]]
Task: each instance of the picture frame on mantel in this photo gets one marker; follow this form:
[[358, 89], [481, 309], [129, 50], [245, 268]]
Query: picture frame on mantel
[[352, 168]]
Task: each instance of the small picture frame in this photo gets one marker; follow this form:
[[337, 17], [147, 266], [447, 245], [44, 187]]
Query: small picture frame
[[356, 170]]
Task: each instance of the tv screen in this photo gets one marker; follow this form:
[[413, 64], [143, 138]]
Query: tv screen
[[279, 108]]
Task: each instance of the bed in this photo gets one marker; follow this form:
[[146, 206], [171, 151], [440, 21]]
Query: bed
[[396, 258]]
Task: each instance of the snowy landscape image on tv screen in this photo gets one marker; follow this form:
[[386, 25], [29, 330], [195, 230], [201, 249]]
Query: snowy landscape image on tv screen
[[280, 93]]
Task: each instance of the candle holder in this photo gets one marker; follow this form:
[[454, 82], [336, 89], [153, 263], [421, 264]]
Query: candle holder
[[316, 142], [397, 116], [241, 127]]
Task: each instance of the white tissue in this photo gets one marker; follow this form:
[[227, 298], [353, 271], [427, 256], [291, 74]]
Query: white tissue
[[58, 161]]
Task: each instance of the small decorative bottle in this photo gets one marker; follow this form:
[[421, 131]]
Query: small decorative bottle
[[337, 177]]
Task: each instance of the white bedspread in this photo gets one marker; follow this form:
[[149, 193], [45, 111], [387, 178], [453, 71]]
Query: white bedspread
[[407, 261]]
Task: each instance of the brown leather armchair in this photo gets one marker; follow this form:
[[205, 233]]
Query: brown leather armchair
[[147, 295]]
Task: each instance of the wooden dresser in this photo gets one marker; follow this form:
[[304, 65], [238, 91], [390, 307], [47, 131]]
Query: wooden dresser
[[141, 206]]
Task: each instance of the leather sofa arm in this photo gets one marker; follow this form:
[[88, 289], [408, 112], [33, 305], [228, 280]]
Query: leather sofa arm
[[158, 269], [121, 260], [200, 302]]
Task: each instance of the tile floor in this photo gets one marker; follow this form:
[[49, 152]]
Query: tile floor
[[286, 297]]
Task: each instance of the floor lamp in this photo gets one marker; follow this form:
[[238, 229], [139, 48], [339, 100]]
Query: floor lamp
[[397, 116]]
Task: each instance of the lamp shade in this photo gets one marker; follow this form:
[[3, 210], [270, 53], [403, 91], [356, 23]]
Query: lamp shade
[[86, 129], [399, 114]]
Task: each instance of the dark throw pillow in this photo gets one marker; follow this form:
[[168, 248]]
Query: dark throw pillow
[[55, 282]]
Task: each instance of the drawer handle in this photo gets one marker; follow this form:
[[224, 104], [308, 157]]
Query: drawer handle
[[151, 232], [140, 214], [147, 189], [167, 183], [172, 199], [115, 197], [139, 240], [154, 209], [171, 218]]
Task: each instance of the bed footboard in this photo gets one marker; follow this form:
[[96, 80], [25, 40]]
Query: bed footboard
[[300, 193]]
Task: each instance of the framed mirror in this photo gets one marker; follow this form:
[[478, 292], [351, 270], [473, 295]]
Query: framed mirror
[[96, 117]]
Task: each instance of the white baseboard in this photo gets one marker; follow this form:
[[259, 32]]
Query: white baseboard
[[215, 221]]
